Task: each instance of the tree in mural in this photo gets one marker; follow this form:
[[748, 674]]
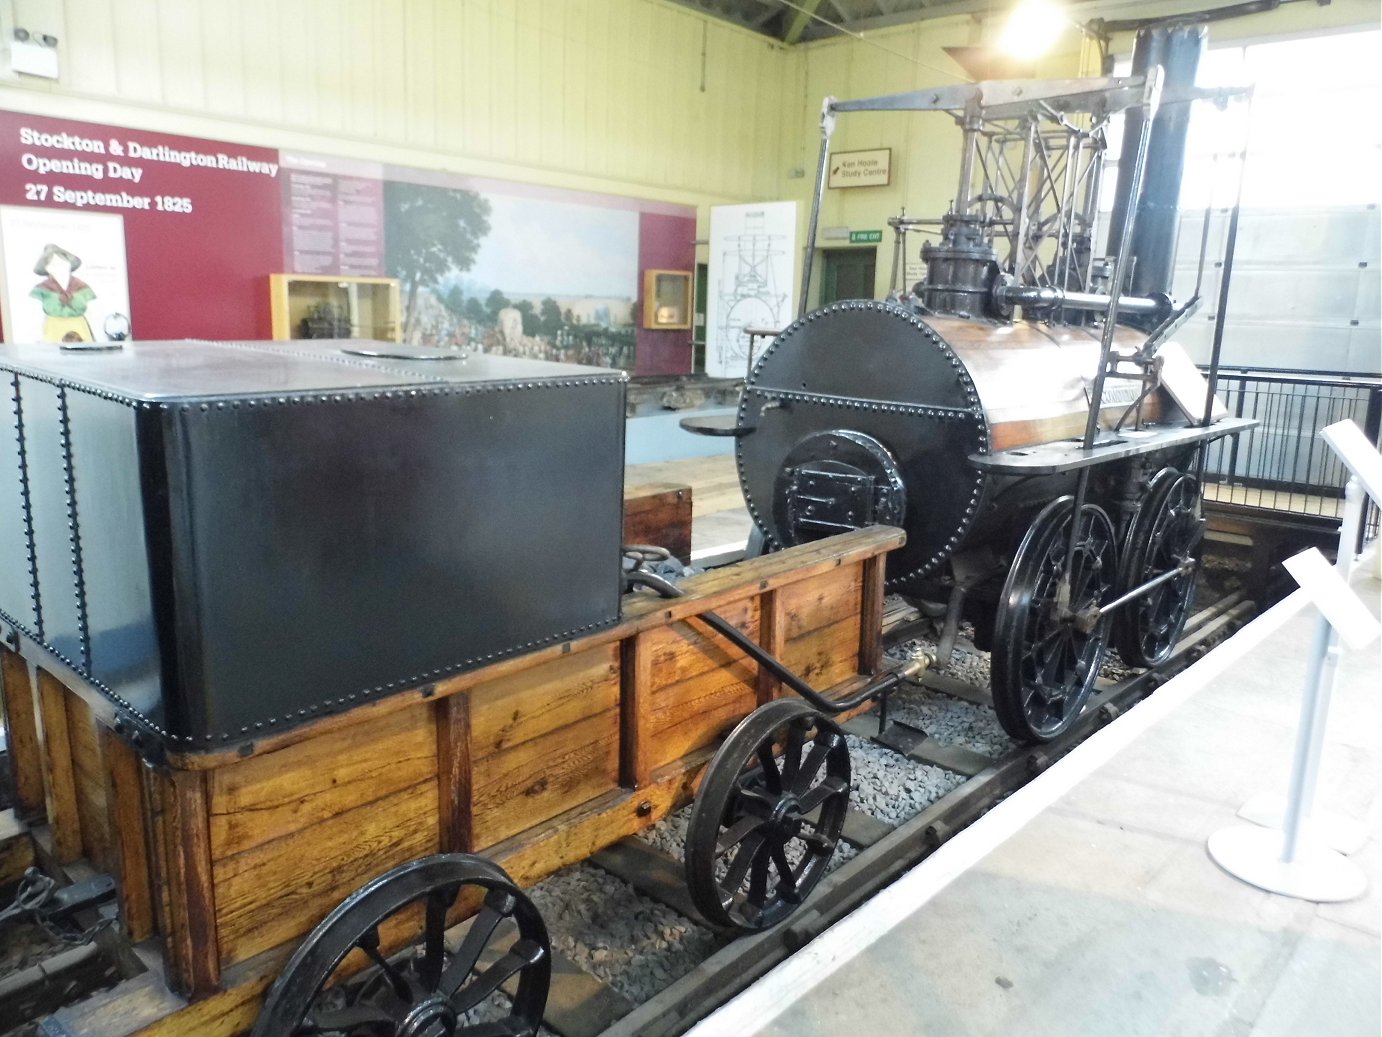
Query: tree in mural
[[495, 302], [530, 318], [550, 318], [454, 301], [429, 233], [475, 311]]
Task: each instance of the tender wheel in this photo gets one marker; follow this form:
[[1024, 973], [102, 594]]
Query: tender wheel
[[424, 991], [762, 830], [1168, 529], [1045, 660]]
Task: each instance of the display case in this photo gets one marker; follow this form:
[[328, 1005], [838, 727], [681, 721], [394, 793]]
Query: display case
[[666, 299], [326, 306]]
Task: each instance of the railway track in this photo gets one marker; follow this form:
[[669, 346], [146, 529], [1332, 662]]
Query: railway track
[[582, 1005], [591, 997]]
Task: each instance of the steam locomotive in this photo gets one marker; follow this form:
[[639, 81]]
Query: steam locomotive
[[980, 434]]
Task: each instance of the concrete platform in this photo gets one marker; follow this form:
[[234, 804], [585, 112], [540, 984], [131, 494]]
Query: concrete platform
[[1086, 903]]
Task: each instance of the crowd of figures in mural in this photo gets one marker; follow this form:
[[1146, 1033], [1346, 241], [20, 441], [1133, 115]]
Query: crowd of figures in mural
[[495, 274]]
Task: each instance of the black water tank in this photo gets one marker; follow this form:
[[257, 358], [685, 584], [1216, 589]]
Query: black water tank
[[231, 538]]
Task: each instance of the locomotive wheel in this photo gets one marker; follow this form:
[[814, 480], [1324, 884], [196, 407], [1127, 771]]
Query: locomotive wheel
[[426, 991], [1044, 663], [756, 845], [1168, 529]]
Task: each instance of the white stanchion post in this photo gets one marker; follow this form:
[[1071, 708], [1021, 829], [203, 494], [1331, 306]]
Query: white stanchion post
[[1294, 859], [1319, 690]]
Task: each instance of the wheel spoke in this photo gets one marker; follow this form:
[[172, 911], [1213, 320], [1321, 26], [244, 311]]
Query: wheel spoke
[[758, 878], [787, 881], [791, 756], [818, 794], [815, 759], [772, 777], [736, 833], [818, 843], [369, 943], [739, 867], [520, 956], [348, 1020], [498, 906], [429, 966]]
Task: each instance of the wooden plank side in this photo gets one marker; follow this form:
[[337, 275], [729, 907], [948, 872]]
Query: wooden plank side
[[21, 720], [538, 779], [267, 797], [635, 712], [575, 836], [871, 597], [693, 714], [129, 836], [89, 777], [702, 684], [533, 704], [455, 784], [687, 649], [827, 656], [772, 635], [821, 601], [60, 785], [193, 966], [280, 890]]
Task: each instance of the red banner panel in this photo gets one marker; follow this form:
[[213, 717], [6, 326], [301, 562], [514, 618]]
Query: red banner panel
[[201, 228]]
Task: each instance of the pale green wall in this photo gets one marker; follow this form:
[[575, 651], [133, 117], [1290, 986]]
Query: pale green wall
[[608, 95], [604, 95]]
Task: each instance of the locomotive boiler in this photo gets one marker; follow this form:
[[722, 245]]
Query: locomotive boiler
[[1028, 379]]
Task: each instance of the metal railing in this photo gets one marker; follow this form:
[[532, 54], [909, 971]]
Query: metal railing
[[1282, 465]]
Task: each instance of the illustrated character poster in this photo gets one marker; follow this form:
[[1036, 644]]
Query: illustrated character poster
[[752, 254], [65, 276]]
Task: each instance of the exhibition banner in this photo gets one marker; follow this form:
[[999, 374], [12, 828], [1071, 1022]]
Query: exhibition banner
[[108, 233], [199, 222]]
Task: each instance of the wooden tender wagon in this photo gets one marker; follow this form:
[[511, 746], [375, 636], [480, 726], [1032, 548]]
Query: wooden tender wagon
[[225, 860], [292, 627]]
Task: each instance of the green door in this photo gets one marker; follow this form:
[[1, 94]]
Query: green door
[[698, 322], [847, 273]]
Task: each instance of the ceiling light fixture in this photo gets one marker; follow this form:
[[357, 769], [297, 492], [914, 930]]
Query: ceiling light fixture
[[1032, 29]]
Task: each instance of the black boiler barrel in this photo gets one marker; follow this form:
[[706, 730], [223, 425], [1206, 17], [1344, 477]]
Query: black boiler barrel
[[1177, 48]]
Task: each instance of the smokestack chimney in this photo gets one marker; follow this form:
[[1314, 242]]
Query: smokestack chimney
[[1177, 48]]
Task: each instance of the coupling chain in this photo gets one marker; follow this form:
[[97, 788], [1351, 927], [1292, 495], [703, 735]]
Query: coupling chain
[[33, 899]]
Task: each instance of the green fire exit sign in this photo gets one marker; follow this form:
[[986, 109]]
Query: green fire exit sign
[[865, 237]]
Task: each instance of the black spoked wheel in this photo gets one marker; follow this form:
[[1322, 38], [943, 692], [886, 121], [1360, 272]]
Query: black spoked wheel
[[1045, 659], [763, 830], [428, 990], [1168, 530]]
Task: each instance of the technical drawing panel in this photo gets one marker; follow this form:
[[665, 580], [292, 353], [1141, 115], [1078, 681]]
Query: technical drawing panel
[[752, 249]]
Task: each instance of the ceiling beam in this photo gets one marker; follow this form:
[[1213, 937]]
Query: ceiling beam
[[804, 12]]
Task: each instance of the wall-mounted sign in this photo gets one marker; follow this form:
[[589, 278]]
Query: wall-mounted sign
[[861, 168], [865, 237]]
